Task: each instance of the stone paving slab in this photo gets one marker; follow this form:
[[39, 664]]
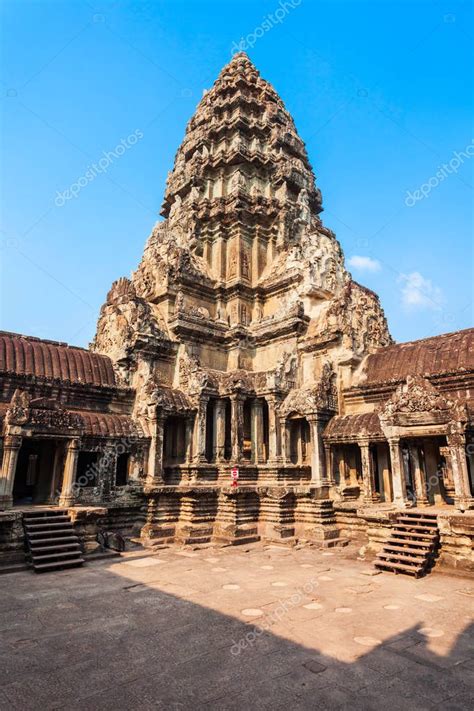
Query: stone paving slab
[[212, 630]]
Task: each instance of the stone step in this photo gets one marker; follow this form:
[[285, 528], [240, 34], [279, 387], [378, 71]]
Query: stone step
[[406, 550], [44, 567], [413, 570], [53, 541], [32, 528], [410, 527], [63, 546], [43, 520], [409, 540], [430, 523], [44, 512], [416, 535], [48, 556], [398, 558]]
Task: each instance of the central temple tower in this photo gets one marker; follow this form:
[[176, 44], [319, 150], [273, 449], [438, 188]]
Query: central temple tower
[[241, 324]]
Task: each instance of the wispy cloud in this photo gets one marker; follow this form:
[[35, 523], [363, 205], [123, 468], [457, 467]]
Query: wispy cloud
[[419, 292], [364, 264]]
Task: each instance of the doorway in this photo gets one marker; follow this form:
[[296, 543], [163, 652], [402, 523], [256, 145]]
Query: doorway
[[35, 472]]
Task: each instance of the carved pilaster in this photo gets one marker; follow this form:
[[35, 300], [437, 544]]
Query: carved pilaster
[[274, 431], [69, 477], [257, 431], [463, 498], [398, 476], [155, 458], [237, 426], [329, 456], [200, 431], [368, 473], [418, 475], [219, 430], [318, 455], [11, 449]]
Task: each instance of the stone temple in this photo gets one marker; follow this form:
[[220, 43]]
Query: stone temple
[[241, 385]]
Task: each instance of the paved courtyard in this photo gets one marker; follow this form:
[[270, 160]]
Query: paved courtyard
[[235, 628]]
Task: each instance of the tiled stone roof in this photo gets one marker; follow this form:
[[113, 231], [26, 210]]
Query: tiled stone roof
[[100, 424], [449, 353], [26, 355], [353, 427]]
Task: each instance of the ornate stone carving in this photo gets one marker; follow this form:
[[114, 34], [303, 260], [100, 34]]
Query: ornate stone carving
[[18, 412], [416, 395]]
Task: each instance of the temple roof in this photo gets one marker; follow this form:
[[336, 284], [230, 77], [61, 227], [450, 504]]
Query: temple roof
[[27, 355], [350, 428], [445, 354]]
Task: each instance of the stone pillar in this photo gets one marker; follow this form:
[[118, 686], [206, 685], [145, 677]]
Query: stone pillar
[[11, 449], [399, 486], [237, 426], [188, 439], [446, 473], [155, 455], [368, 473], [257, 431], [328, 454], [218, 443], [384, 472], [342, 467], [318, 457], [200, 431], [69, 476], [218, 259], [106, 468], [255, 259], [463, 498], [418, 475], [274, 431], [285, 440]]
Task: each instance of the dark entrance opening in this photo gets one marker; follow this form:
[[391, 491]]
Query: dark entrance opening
[[35, 472]]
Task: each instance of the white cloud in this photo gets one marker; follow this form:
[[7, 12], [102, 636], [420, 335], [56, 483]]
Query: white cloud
[[418, 292], [366, 264]]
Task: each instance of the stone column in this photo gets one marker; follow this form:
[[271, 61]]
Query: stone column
[[399, 486], [11, 449], [257, 431], [318, 458], [463, 498], [69, 476], [106, 469], [155, 455], [418, 475], [285, 440], [237, 426], [384, 470], [218, 443], [274, 431], [368, 473], [188, 439], [328, 454], [255, 259], [200, 431]]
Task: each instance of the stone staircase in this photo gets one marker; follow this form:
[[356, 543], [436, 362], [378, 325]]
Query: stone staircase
[[412, 546], [51, 541]]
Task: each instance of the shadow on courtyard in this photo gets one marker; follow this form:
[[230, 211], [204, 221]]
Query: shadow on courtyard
[[96, 639]]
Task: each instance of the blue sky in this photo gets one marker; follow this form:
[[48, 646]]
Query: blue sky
[[381, 92]]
